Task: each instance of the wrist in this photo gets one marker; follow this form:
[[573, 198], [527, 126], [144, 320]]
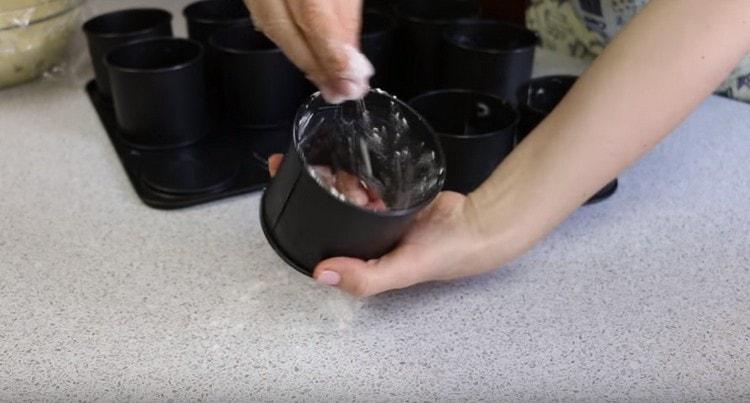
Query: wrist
[[491, 243], [503, 221]]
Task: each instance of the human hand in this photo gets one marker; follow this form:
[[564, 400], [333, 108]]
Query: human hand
[[321, 37], [442, 244]]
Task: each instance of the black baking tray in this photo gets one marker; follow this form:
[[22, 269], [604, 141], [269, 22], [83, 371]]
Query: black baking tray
[[227, 162]]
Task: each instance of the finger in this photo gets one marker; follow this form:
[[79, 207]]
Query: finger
[[373, 195], [274, 162], [275, 21], [377, 205], [350, 186], [348, 84], [349, 13], [362, 278], [345, 71], [355, 276], [325, 174]]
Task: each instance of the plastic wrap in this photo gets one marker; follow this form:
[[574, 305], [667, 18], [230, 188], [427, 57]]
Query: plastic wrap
[[371, 142], [42, 38]]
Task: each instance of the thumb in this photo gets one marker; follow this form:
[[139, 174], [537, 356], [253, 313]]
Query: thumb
[[274, 162], [358, 277]]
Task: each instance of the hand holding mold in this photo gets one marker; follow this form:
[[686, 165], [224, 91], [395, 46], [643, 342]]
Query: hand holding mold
[[438, 246], [321, 37]]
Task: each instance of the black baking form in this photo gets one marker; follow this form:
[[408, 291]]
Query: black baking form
[[107, 31], [420, 40], [260, 87], [382, 6], [477, 131], [306, 223], [226, 162], [378, 43], [206, 17], [165, 111], [489, 56], [159, 92]]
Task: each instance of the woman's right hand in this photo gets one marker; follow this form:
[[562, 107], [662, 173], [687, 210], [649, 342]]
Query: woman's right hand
[[321, 37], [443, 243]]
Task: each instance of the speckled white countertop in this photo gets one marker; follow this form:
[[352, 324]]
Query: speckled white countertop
[[643, 297]]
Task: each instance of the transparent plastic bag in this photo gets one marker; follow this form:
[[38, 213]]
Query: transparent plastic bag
[[42, 38]]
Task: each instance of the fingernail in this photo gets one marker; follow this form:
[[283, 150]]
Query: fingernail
[[358, 198], [351, 83], [343, 90], [360, 69], [329, 278], [331, 96], [353, 90], [347, 89]]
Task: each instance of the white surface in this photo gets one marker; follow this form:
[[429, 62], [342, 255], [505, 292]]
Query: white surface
[[643, 297]]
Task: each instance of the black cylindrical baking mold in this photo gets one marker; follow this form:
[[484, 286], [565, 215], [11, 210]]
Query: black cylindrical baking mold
[[489, 56], [107, 31], [382, 6], [476, 130], [188, 171], [305, 223], [159, 92], [205, 17], [259, 85], [538, 97], [419, 41], [378, 44]]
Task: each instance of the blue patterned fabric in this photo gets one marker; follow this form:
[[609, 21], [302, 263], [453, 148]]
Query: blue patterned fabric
[[582, 28]]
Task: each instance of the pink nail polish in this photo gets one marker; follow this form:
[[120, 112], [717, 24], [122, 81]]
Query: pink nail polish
[[329, 278]]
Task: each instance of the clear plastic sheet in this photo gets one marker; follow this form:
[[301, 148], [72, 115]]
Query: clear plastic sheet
[[371, 141], [42, 38]]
